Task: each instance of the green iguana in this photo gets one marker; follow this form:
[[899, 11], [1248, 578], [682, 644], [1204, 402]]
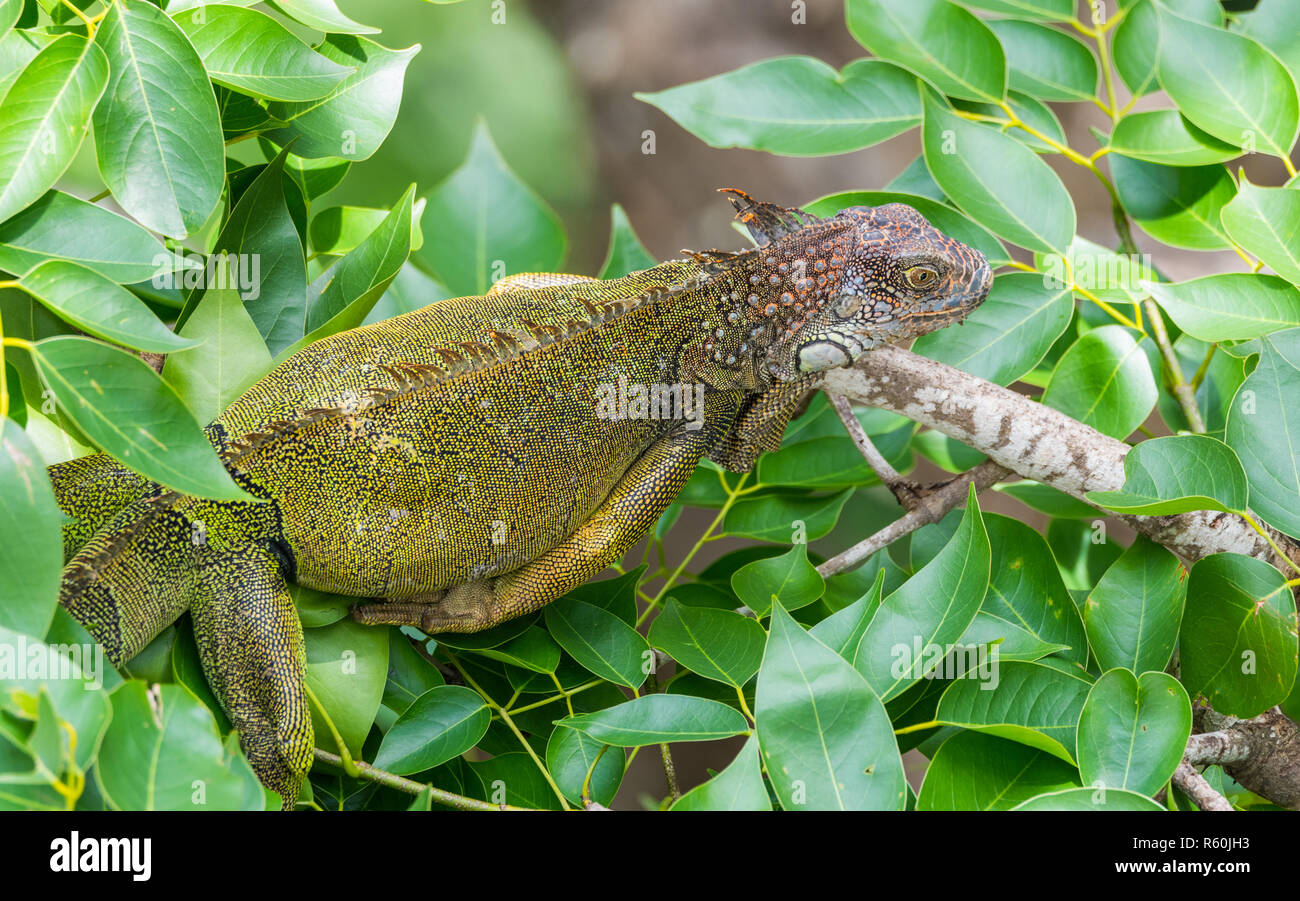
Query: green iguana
[[458, 465]]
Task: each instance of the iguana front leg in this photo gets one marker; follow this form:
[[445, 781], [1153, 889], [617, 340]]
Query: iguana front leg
[[631, 510], [250, 642]]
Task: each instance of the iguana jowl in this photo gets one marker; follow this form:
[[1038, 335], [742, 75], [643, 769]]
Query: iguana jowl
[[451, 466]]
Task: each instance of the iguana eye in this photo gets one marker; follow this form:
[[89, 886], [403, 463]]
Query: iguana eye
[[921, 277]]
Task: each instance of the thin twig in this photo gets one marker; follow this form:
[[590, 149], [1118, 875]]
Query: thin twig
[[930, 509], [903, 490], [411, 787]]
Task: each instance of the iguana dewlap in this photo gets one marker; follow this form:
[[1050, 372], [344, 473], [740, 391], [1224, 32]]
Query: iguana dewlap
[[468, 462]]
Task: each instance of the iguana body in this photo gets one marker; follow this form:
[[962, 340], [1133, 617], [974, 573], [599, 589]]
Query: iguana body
[[462, 465]]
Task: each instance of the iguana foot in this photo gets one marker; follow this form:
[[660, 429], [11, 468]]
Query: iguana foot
[[472, 607]]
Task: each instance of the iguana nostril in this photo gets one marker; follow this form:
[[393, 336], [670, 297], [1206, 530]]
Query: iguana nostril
[[822, 355]]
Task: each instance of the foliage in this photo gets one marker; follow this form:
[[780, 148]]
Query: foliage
[[1028, 666]]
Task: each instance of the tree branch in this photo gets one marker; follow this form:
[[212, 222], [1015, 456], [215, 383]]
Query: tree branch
[[1195, 787], [1036, 442]]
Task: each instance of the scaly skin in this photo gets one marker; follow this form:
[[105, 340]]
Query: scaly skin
[[456, 465]]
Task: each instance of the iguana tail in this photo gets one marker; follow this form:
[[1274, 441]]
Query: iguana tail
[[139, 556], [90, 491]]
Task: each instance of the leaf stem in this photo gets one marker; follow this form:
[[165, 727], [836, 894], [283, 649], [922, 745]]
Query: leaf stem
[[345, 756], [410, 786], [510, 724], [1254, 524], [732, 495], [1179, 387]]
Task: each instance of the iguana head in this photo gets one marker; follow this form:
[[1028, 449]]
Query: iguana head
[[834, 288]]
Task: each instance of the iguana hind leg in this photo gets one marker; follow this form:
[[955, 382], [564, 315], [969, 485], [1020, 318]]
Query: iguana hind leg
[[250, 642], [631, 510]]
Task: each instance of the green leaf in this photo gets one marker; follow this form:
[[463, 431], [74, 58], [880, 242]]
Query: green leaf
[[166, 754], [1178, 474], [1104, 380], [1013, 642], [1133, 731], [261, 228], [796, 106], [788, 577], [45, 113], [339, 229], [1046, 499], [514, 778], [626, 253], [943, 217], [716, 644], [943, 43], [347, 669], [1009, 334], [533, 650], [231, 357], [17, 49], [1032, 703], [825, 737], [1237, 644], [658, 718], [1090, 799], [409, 674], [842, 631], [738, 787], [932, 610], [1275, 23], [60, 226], [1133, 614], [354, 118], [157, 131], [974, 771], [72, 680], [1033, 112], [1177, 205], [915, 179], [444, 722], [1266, 221], [1025, 587], [31, 547], [1137, 38], [98, 305], [1046, 63], [599, 640], [482, 222], [776, 517], [342, 295], [1043, 10], [124, 407], [1231, 306], [250, 52], [996, 180], [1265, 432], [322, 15], [569, 758], [1227, 84], [1165, 136]]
